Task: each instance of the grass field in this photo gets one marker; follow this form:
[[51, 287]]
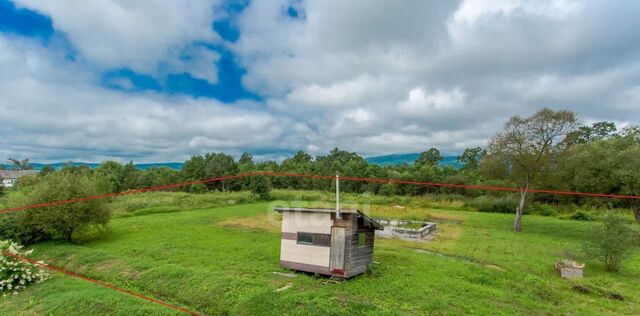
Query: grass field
[[220, 261]]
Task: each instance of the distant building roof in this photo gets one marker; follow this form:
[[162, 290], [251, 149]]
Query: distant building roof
[[15, 174], [375, 224]]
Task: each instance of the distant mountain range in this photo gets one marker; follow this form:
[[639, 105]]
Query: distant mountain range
[[386, 160], [398, 159]]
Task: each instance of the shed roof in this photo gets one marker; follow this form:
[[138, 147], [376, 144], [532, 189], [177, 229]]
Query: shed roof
[[15, 174], [375, 224]]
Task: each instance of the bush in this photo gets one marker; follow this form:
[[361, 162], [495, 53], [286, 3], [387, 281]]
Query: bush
[[612, 242], [388, 189], [261, 186], [61, 221], [15, 274], [485, 203], [581, 216]]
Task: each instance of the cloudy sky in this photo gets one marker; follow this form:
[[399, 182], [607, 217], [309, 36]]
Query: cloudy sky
[[154, 80]]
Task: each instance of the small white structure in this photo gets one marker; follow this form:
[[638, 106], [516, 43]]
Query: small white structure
[[569, 269], [322, 241], [395, 228], [10, 177]]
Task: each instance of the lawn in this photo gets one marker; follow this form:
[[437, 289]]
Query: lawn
[[220, 261]]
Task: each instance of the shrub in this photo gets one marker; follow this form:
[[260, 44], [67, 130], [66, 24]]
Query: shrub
[[61, 221], [15, 274], [261, 186], [388, 189], [547, 211], [10, 228], [485, 203], [612, 242], [581, 216]]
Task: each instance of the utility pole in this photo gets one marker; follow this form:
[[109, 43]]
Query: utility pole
[[337, 195]]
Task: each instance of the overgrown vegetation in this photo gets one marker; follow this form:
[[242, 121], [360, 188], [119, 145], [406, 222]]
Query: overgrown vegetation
[[220, 261], [612, 242], [544, 151], [52, 221]]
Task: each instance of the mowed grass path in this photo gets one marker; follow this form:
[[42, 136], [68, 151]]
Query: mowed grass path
[[196, 260]]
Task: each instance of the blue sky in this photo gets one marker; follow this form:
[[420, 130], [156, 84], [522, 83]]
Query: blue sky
[[29, 23], [160, 81]]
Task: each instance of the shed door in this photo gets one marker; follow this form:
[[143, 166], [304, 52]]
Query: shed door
[[336, 262]]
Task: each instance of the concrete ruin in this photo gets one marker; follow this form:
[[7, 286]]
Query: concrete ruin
[[394, 228]]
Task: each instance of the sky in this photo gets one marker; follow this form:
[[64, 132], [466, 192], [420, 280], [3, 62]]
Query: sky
[[153, 80]]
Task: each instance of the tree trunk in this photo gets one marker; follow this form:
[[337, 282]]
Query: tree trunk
[[517, 226], [636, 211]]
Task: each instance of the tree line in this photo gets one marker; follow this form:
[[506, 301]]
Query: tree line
[[547, 150]]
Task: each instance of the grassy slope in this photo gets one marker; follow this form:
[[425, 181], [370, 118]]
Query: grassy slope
[[190, 259]]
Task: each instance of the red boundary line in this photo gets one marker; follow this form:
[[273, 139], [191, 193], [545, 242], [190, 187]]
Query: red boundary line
[[75, 275], [312, 176]]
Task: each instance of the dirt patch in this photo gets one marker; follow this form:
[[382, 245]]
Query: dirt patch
[[494, 267], [258, 222]]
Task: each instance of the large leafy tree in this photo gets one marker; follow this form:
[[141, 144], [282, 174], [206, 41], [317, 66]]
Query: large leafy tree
[[605, 166], [429, 157], [597, 131], [111, 171], [470, 159], [62, 221], [219, 165], [527, 148]]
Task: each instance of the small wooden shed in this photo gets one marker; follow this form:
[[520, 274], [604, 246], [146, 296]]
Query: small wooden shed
[[326, 241]]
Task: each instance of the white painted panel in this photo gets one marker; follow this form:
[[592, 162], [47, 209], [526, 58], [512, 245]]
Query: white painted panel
[[308, 222], [291, 251]]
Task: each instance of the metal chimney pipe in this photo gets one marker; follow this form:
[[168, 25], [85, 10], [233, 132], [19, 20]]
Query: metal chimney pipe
[[337, 195]]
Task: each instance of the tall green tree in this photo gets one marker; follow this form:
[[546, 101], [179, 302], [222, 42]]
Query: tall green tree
[[131, 177], [597, 131], [429, 157], [219, 165], [610, 166], [261, 186], [527, 147], [470, 159]]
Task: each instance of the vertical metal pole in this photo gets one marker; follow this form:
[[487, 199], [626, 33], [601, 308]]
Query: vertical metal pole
[[337, 195]]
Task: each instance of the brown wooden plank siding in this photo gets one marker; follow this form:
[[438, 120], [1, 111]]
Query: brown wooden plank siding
[[357, 258]]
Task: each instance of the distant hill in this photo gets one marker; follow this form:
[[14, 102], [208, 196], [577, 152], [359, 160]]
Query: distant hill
[[386, 160], [398, 159], [143, 166]]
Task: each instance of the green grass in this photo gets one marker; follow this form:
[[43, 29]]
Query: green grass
[[199, 260]]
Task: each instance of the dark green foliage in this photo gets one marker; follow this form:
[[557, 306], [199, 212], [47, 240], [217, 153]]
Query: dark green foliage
[[597, 131], [60, 221], [261, 186], [470, 159], [582, 216], [612, 242], [487, 203], [429, 157], [388, 189], [48, 169]]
